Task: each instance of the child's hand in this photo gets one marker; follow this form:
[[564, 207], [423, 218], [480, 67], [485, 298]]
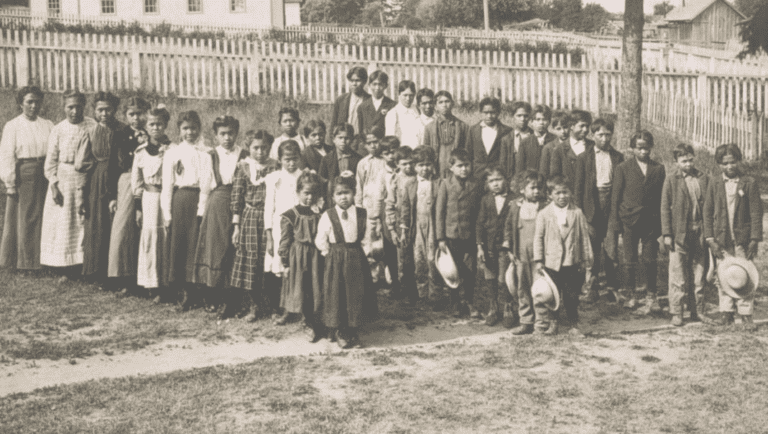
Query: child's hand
[[752, 250], [442, 245], [610, 245], [480, 254], [669, 244], [512, 257], [112, 207], [538, 267], [395, 238], [716, 250], [139, 216], [270, 243], [236, 235]]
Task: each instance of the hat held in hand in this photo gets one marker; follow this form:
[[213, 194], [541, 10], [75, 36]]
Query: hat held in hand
[[510, 278], [447, 267], [738, 276], [544, 291]]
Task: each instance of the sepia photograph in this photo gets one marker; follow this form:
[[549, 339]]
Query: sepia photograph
[[383, 216]]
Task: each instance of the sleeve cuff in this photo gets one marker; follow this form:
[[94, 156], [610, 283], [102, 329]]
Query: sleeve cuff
[[236, 219], [10, 190]]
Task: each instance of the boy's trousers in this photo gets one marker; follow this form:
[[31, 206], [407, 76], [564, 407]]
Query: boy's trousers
[[464, 253], [632, 238], [568, 281], [599, 226], [687, 265], [426, 276], [497, 262]]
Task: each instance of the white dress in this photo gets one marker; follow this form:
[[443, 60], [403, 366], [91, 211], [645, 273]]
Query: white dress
[[281, 196], [62, 233]]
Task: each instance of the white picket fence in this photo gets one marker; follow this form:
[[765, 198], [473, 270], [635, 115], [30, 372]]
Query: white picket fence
[[237, 68]]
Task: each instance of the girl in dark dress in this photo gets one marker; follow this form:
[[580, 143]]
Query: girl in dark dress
[[348, 300], [302, 283], [99, 161]]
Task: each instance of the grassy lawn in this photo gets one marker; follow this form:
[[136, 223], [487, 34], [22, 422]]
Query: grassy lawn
[[696, 380]]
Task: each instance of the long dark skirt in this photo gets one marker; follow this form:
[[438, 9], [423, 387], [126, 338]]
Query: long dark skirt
[[183, 235], [20, 246], [124, 240], [302, 287], [215, 251], [98, 223], [348, 296]]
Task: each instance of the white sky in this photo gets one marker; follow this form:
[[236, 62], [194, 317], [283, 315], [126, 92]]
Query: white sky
[[618, 5]]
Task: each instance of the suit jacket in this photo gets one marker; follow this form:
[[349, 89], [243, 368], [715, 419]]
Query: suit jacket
[[502, 151], [552, 248], [511, 225], [748, 217], [563, 160], [529, 155], [636, 199], [545, 160], [329, 169], [368, 116], [341, 109], [676, 210], [489, 229], [408, 206], [456, 209], [443, 150], [585, 191], [312, 158]]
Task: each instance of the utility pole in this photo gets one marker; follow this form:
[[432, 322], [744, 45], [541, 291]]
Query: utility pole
[[485, 13]]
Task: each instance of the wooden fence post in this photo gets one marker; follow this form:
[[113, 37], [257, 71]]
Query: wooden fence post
[[594, 91], [22, 60], [135, 64], [702, 89]]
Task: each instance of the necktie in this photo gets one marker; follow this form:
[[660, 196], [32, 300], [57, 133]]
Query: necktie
[[344, 215]]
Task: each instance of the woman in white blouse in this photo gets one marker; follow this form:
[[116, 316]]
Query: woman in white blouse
[[403, 120], [22, 154]]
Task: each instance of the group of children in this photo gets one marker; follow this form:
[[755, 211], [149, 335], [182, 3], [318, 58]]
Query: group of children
[[508, 205]]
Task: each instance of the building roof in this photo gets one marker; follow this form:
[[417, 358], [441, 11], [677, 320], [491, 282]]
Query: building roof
[[693, 9]]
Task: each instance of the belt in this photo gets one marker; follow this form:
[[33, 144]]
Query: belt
[[188, 188], [153, 188], [30, 160]]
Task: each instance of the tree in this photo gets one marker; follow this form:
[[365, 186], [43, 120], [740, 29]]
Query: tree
[[463, 13], [662, 9], [749, 7], [572, 15], [753, 32], [631, 103], [330, 11]]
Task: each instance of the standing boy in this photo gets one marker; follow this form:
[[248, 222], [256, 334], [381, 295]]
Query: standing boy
[[373, 111], [682, 224], [425, 101], [561, 131], [457, 202], [561, 249], [733, 225], [446, 133], [635, 213], [564, 157], [345, 106], [488, 142], [593, 185], [531, 149]]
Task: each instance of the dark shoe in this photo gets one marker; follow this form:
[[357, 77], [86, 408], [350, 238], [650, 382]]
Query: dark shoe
[[315, 334], [492, 318], [747, 319], [459, 311], [473, 313], [677, 320], [283, 319], [552, 330], [726, 319], [523, 329], [186, 301], [590, 296], [343, 342], [509, 321]]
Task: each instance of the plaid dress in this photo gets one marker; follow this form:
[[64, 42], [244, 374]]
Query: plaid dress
[[248, 195]]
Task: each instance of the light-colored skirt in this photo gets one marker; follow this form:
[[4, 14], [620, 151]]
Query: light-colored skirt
[[151, 242], [62, 232], [123, 240]]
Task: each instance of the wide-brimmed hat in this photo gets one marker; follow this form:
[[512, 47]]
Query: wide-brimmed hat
[[737, 276], [510, 278], [447, 267], [544, 291]]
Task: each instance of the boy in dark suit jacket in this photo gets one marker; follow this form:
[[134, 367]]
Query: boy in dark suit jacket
[[457, 201], [488, 142], [345, 106], [373, 111], [416, 208], [561, 131], [733, 224], [682, 217], [532, 147], [316, 149], [564, 157], [445, 133], [592, 193], [635, 213], [490, 236], [341, 159]]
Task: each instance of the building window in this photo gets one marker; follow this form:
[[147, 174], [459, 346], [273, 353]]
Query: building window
[[107, 6], [237, 6], [195, 6], [54, 7], [150, 6]]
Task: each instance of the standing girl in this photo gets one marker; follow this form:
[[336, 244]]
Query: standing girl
[[247, 204], [317, 149], [403, 121], [62, 231], [214, 247], [124, 239], [347, 297], [302, 284], [289, 120], [281, 196], [146, 181], [100, 163], [186, 168]]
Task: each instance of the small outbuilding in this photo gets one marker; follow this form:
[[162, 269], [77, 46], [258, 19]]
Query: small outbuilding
[[711, 23]]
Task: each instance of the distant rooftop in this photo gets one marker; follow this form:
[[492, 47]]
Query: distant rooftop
[[693, 9]]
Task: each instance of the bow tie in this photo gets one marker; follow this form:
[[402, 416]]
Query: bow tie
[[732, 181]]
